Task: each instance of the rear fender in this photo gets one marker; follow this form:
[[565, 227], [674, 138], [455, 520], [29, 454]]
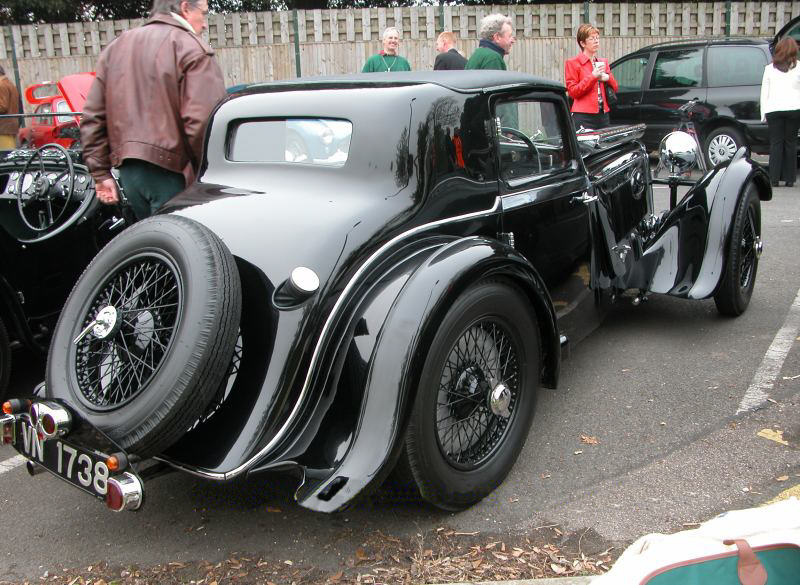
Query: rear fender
[[391, 375], [685, 254]]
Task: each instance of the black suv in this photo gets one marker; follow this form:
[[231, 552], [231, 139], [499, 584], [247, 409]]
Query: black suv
[[722, 75]]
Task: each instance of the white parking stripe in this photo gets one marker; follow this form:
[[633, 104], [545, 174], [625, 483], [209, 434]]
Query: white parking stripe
[[10, 464], [772, 363]]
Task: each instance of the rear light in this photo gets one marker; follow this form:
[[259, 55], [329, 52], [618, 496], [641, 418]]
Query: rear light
[[117, 462], [124, 492], [49, 426], [16, 405], [8, 432], [50, 419]]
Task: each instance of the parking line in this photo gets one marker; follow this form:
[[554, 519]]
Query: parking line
[[10, 464], [771, 365]]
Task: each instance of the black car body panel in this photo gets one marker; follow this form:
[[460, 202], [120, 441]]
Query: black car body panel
[[439, 190]]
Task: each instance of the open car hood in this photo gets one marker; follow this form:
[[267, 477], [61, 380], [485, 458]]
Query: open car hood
[[74, 88]]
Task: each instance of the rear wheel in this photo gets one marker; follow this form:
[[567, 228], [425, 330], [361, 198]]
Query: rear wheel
[[476, 397], [722, 144], [743, 250]]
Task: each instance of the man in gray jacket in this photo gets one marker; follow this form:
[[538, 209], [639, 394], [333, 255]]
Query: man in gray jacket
[[147, 110]]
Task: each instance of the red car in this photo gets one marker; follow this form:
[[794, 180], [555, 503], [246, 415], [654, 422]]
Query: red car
[[67, 95]]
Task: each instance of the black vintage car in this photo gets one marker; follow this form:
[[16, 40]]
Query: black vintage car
[[393, 307]]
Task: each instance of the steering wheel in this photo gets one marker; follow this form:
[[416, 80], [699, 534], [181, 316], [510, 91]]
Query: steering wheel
[[54, 190], [534, 152]]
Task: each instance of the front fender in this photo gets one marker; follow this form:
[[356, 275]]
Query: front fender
[[392, 373], [685, 256]]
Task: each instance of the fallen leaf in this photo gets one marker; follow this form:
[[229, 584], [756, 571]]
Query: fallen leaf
[[782, 478], [557, 569], [477, 563], [361, 554], [772, 435], [586, 439]]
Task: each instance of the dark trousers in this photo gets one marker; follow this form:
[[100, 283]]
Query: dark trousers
[[147, 186], [783, 145], [590, 121]]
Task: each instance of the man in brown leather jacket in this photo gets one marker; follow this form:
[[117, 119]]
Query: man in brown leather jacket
[[9, 104], [147, 110]]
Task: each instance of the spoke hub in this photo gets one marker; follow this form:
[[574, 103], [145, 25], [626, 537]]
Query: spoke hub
[[500, 400], [758, 246], [105, 322]]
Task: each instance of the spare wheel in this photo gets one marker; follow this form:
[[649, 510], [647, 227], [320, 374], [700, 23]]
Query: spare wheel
[[147, 333]]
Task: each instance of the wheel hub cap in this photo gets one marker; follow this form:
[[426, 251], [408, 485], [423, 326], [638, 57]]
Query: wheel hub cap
[[500, 400], [105, 323], [758, 246]]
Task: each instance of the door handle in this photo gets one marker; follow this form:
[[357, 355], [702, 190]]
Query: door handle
[[585, 198]]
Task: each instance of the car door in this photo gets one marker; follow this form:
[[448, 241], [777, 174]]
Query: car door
[[676, 78], [630, 75], [543, 190], [734, 74]]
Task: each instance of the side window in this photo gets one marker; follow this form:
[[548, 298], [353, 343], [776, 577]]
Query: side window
[[531, 139], [682, 68], [313, 141], [630, 73], [729, 66]]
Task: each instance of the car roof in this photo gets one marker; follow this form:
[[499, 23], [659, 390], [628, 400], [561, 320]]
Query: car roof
[[704, 42], [461, 81]]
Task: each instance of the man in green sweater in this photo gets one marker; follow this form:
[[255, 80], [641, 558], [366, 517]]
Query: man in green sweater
[[387, 60], [497, 38]]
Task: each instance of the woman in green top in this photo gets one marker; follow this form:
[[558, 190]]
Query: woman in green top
[[497, 38], [387, 60]]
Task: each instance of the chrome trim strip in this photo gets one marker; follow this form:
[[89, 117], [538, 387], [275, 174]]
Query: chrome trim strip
[[496, 207]]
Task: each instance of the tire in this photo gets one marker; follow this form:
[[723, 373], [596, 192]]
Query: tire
[[721, 144], [489, 322], [147, 375], [5, 361], [741, 262]]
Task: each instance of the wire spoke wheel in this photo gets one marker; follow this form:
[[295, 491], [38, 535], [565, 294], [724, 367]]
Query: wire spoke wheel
[[116, 361], [742, 252], [476, 396], [748, 250], [148, 334], [469, 423]]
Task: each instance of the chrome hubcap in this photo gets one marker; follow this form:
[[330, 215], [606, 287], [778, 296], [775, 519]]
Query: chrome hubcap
[[721, 148], [500, 400], [105, 322]]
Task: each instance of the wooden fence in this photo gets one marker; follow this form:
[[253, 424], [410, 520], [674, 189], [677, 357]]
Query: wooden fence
[[263, 46]]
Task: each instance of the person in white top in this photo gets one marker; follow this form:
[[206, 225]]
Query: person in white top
[[780, 107]]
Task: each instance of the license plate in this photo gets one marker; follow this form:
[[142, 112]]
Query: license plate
[[81, 467]]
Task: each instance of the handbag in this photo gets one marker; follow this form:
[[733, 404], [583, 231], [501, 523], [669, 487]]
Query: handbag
[[740, 547], [611, 95]]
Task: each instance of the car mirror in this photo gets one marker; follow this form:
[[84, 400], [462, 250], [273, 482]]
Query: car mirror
[[678, 152]]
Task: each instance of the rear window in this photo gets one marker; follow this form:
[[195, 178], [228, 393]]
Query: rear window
[[729, 66], [683, 68], [314, 141]]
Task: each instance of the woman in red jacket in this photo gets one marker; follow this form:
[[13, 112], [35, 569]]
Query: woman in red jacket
[[587, 76]]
